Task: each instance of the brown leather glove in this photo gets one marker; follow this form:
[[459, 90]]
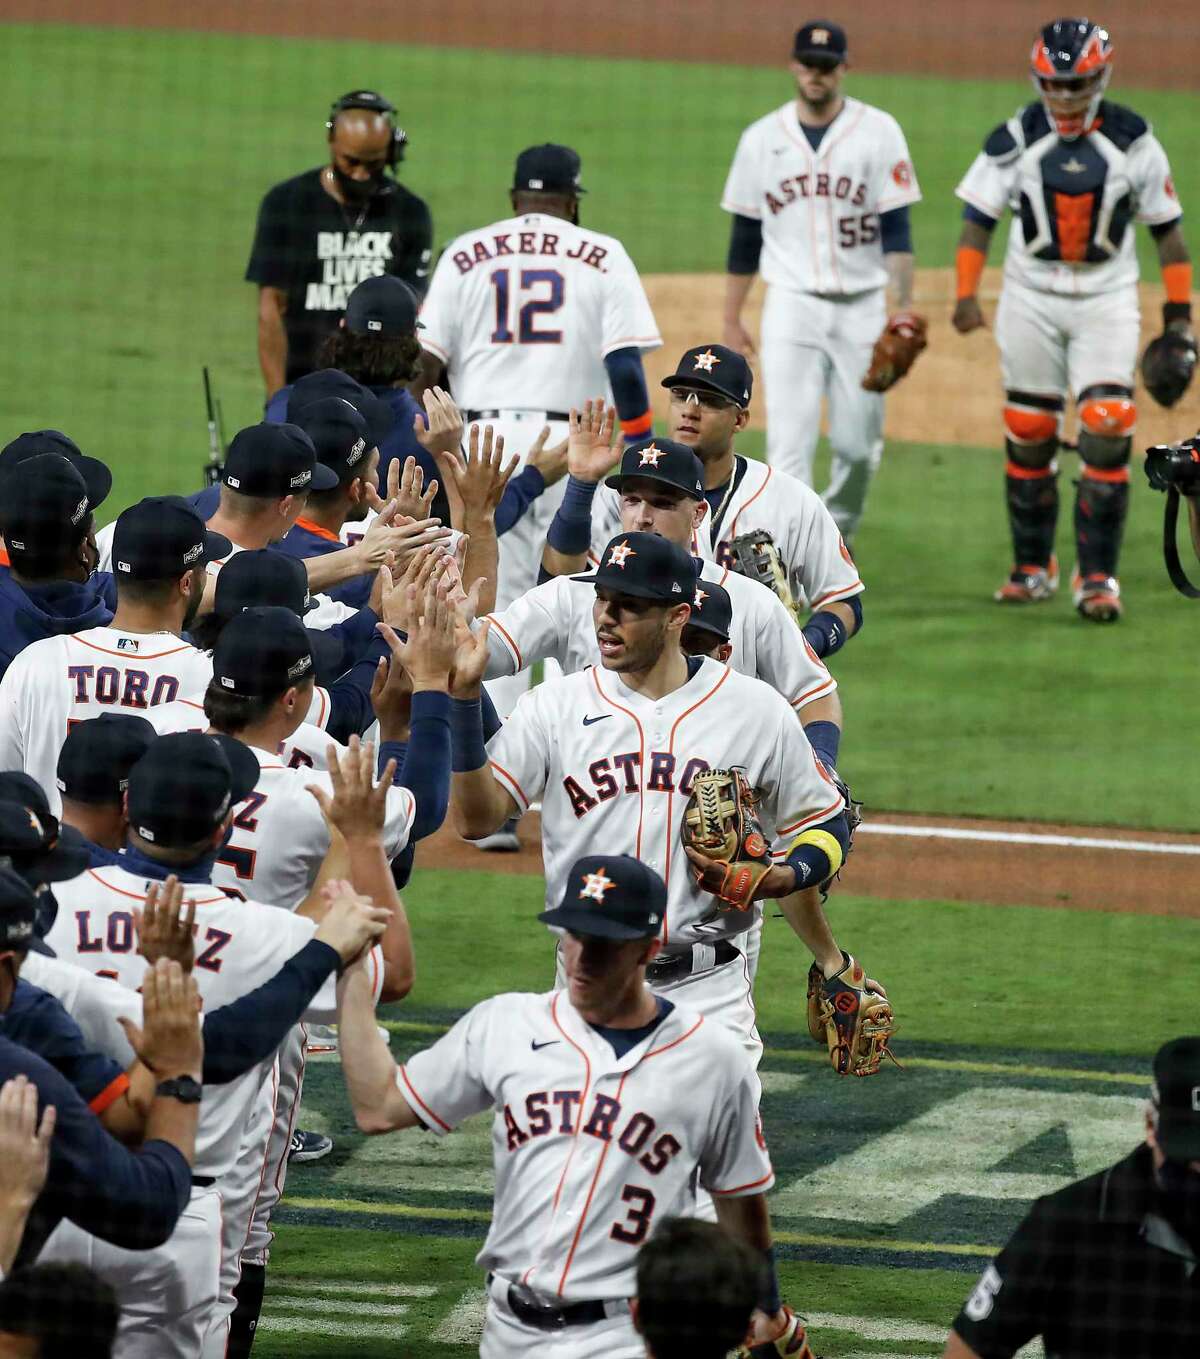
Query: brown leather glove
[[895, 351]]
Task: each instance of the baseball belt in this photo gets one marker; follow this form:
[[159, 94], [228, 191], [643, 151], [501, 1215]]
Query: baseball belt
[[473, 416], [538, 1311], [699, 958]]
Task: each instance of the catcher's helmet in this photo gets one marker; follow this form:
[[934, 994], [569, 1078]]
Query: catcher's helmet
[[1071, 64]]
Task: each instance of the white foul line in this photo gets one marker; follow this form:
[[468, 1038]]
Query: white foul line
[[1026, 838]]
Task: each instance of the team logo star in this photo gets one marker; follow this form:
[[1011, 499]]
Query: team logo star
[[620, 555], [701, 596], [595, 885], [707, 360], [650, 456]]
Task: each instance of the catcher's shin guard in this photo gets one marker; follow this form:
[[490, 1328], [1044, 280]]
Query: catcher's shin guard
[[1031, 495], [1101, 504]]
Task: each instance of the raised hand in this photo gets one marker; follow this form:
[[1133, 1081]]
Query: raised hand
[[24, 1144], [445, 423], [413, 498], [593, 441], [170, 1042], [470, 662], [480, 476], [165, 926], [550, 462], [358, 806], [428, 655]]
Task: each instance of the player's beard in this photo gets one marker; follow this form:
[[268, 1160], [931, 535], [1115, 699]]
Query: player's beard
[[640, 656], [195, 599]]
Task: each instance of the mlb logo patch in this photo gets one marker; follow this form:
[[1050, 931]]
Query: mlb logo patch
[[128, 644]]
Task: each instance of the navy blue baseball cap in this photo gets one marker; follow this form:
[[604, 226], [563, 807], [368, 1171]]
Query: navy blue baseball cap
[[712, 610], [383, 305], [265, 650], [549, 168], [275, 460], [96, 757], [39, 847], [258, 577], [184, 785], [96, 476], [714, 368], [820, 43], [610, 895], [43, 505], [339, 434], [161, 537], [663, 460], [18, 911], [327, 382], [1176, 1099], [646, 566]]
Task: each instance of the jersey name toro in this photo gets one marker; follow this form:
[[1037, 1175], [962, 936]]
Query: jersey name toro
[[1074, 202]]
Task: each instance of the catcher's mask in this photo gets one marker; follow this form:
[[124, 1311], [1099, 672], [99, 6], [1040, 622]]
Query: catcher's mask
[[1071, 64]]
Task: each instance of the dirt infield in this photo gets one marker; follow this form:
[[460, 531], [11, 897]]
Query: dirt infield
[[1157, 45], [952, 396], [894, 867]]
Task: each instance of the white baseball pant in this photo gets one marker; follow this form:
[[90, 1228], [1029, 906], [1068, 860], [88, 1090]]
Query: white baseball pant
[[506, 1337], [818, 348], [291, 1058], [167, 1294]]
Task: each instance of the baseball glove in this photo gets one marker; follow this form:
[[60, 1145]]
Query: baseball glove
[[855, 1023], [756, 556], [791, 1341], [895, 351], [1167, 366], [721, 823]]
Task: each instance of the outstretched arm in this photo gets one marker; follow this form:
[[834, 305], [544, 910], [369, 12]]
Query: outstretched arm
[[367, 1064]]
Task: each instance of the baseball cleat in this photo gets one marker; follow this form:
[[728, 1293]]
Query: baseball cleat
[[503, 841], [309, 1146], [1097, 597], [1029, 584], [322, 1038]]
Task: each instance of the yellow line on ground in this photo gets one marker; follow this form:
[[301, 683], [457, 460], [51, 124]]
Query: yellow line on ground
[[420, 1211], [815, 1057]]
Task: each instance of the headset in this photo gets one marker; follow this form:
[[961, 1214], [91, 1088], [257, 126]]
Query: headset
[[374, 103]]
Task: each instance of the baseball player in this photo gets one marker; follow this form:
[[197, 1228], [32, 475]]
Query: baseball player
[[612, 751], [531, 315], [596, 1131], [92, 778], [710, 402], [820, 190], [1077, 172], [139, 659], [659, 488], [180, 799]]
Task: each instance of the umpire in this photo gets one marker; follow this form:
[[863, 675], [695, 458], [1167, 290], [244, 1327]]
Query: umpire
[[327, 229], [1108, 1268]]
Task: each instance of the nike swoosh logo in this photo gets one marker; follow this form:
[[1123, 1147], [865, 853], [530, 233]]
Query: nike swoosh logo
[[537, 1047], [587, 721]]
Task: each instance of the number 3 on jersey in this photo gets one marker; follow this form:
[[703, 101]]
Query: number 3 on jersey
[[542, 290], [242, 860]]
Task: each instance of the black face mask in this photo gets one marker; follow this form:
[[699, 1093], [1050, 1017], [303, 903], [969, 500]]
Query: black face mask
[[357, 190], [1179, 1198]]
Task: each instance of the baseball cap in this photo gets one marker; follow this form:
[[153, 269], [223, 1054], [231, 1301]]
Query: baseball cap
[[41, 850], [327, 382], [96, 757], [1176, 1096], [647, 567], [42, 503], [258, 577], [661, 460], [264, 651], [712, 610], [185, 783], [339, 434], [714, 368], [275, 460], [383, 305], [161, 537], [548, 168], [610, 895], [820, 43], [96, 476], [18, 911]]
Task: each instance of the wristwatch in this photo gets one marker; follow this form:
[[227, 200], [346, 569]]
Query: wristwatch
[[183, 1088]]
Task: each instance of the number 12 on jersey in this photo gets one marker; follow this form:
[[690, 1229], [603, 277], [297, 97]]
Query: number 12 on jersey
[[539, 292]]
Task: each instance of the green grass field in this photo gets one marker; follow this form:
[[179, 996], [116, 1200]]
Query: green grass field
[[140, 158]]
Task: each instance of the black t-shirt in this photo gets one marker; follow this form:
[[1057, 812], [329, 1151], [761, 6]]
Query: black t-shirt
[[318, 250], [1096, 1271]]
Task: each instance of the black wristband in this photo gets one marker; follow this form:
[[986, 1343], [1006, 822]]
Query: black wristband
[[1176, 311]]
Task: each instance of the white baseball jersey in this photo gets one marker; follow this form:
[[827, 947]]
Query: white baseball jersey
[[591, 1151], [305, 748], [280, 838], [820, 209], [523, 313], [239, 946], [95, 1003], [58, 681], [615, 768], [555, 620], [1074, 203]]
